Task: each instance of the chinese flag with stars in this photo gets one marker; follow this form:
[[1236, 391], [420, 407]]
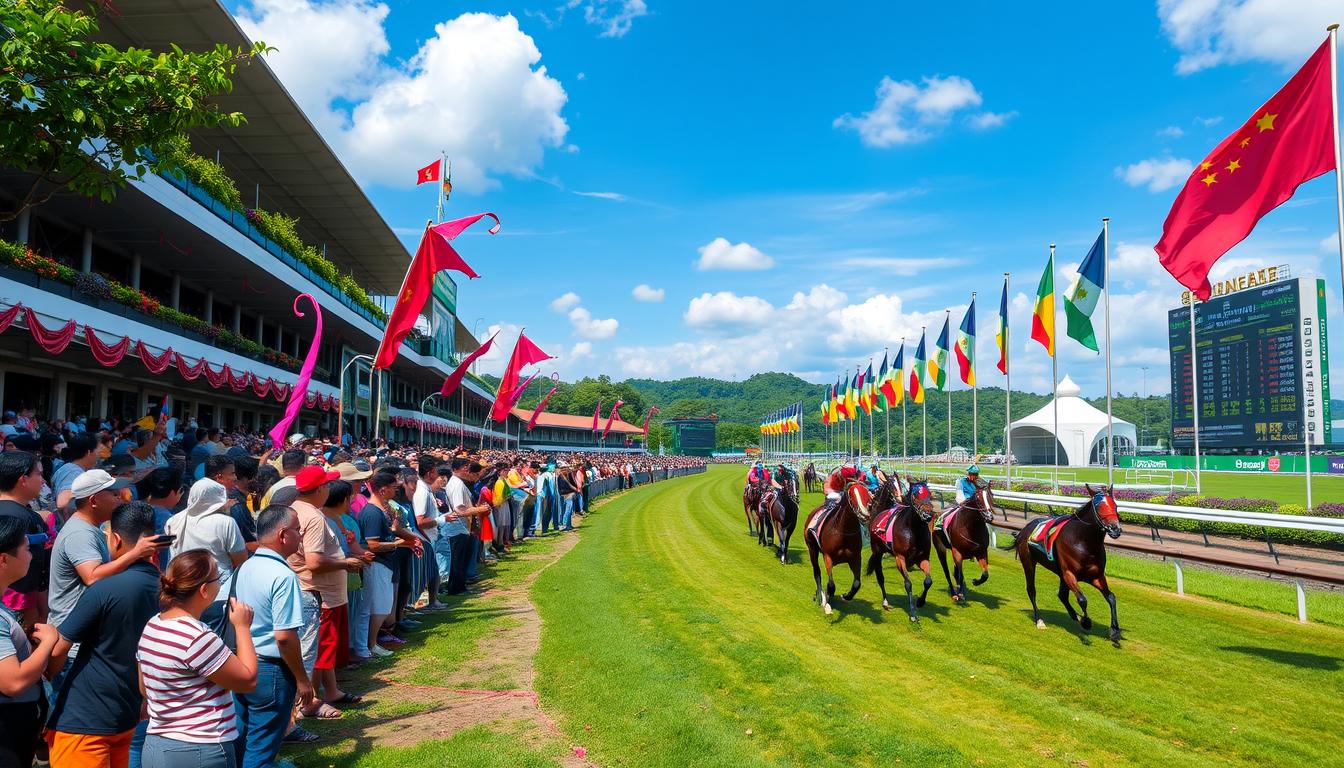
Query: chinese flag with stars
[[1286, 142]]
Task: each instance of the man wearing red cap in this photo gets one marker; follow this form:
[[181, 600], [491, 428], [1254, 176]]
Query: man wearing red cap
[[835, 483], [322, 566]]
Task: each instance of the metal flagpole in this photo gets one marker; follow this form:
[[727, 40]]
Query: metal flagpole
[[886, 412], [948, 324], [1106, 277], [1333, 29], [1306, 439], [1007, 399], [444, 170], [975, 403], [900, 379], [872, 438], [1054, 366], [924, 409], [1194, 391]]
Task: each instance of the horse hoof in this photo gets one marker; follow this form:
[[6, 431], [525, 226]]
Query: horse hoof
[[1085, 622], [1040, 624], [827, 608], [1115, 637], [914, 619], [919, 602], [886, 606]]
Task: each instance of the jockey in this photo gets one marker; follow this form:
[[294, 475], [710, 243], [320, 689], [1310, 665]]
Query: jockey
[[778, 476], [835, 482], [874, 478], [754, 475], [967, 485]]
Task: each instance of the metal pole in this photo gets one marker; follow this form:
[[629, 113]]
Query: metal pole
[[1110, 419], [1306, 438], [975, 401], [1194, 391], [1339, 190], [1054, 367], [340, 406], [423, 403], [1007, 398]]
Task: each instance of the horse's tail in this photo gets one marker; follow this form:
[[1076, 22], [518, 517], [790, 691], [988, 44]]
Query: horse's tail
[[1017, 537]]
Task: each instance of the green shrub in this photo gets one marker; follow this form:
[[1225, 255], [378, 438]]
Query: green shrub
[[206, 174]]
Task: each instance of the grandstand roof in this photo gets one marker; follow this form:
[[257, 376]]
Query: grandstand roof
[[584, 423]]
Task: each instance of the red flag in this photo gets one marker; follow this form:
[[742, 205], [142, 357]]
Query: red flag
[[433, 255], [428, 173], [525, 353], [611, 417], [532, 422], [455, 378], [1286, 142], [597, 414], [647, 414], [518, 391]]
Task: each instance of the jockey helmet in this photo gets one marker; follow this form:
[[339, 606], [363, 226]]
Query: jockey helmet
[[974, 469]]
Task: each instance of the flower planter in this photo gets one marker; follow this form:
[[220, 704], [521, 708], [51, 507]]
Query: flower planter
[[19, 275], [55, 286]]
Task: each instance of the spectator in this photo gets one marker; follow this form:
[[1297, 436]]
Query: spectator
[[269, 585], [377, 522], [291, 461], [200, 451], [410, 561], [20, 484], [7, 424], [546, 508], [80, 455], [21, 663], [162, 490], [186, 671], [564, 484], [460, 509], [322, 568], [337, 511], [245, 475], [98, 703], [427, 517], [205, 523]]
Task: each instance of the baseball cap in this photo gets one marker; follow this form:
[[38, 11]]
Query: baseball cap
[[96, 480], [312, 476]]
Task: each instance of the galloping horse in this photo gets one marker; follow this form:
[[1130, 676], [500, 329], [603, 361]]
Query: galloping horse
[[1074, 547], [903, 531], [810, 479], [781, 514], [967, 535], [838, 537], [751, 502], [765, 533]]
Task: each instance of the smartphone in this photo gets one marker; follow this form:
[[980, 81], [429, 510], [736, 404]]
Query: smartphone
[[164, 538]]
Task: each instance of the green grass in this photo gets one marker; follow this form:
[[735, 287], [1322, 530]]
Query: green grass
[[1286, 489], [672, 639], [477, 747]]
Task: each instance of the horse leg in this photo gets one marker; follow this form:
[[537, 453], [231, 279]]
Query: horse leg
[[816, 574], [785, 535], [1064, 577], [959, 575], [909, 588], [875, 568], [830, 577], [1029, 571], [942, 559], [853, 588], [928, 582], [983, 561], [1105, 589]]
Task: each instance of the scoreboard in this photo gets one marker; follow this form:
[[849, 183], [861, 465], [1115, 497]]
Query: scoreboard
[[1263, 374]]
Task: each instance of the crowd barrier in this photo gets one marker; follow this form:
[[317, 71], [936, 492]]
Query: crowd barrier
[[604, 485]]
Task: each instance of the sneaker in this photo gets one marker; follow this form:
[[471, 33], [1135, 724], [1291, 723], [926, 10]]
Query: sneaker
[[381, 652], [405, 623]]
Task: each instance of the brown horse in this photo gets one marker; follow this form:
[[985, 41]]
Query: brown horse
[[967, 535], [751, 502], [765, 533], [811, 480], [903, 531], [838, 538], [781, 514], [1077, 554]]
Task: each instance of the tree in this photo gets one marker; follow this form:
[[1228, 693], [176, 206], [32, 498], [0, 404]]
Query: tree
[[87, 117]]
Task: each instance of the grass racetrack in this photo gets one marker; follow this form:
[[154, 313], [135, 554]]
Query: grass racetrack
[[671, 639]]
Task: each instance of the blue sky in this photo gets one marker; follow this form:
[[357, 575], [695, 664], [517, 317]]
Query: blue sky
[[881, 161]]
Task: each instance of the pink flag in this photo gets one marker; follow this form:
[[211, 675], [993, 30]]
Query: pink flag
[[455, 378], [647, 415], [532, 422], [611, 417], [518, 393], [300, 390], [451, 229], [525, 353], [597, 414]]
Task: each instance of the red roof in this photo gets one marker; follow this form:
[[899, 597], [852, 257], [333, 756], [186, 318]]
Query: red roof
[[585, 423]]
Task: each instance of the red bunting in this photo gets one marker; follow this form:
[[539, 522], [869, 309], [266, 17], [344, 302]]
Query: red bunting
[[107, 355], [155, 365], [54, 342]]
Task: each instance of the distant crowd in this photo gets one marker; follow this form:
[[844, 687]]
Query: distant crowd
[[187, 600]]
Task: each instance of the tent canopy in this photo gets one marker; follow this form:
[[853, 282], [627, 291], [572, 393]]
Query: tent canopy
[[1082, 432]]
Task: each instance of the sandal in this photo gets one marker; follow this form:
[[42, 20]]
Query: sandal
[[324, 711], [347, 698]]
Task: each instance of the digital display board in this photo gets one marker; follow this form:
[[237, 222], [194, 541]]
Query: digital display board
[[1263, 372]]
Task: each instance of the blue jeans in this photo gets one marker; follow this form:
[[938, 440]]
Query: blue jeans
[[263, 714], [138, 744], [566, 513], [443, 558], [359, 621], [162, 752], [473, 556]]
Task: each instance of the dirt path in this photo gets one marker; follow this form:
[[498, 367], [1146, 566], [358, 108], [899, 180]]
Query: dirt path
[[493, 687]]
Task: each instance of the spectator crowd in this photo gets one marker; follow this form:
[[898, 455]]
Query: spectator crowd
[[189, 601]]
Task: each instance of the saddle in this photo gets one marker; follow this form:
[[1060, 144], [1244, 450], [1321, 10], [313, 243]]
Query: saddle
[[1045, 533], [945, 519], [885, 523], [814, 527]]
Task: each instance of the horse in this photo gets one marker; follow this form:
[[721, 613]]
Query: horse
[[838, 537], [765, 533], [810, 478], [1079, 555], [903, 531], [751, 500], [967, 536], [781, 514]]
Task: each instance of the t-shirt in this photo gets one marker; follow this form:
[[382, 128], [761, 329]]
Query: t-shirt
[[247, 525], [284, 482], [38, 572], [78, 542], [100, 696], [320, 537], [13, 642], [177, 657], [161, 517], [64, 478], [458, 495], [270, 586], [375, 527], [216, 533], [423, 504]]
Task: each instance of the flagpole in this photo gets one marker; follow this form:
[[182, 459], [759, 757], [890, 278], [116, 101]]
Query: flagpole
[[1054, 366], [872, 438], [947, 325], [924, 407], [1007, 399], [901, 380], [886, 412], [1110, 418], [975, 398], [443, 174], [1194, 390], [1339, 154]]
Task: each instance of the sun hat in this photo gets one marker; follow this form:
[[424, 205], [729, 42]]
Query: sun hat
[[205, 498], [96, 480], [352, 473], [312, 476]]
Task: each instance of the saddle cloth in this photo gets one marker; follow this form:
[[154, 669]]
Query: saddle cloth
[[945, 519], [814, 527], [1046, 532], [885, 523]]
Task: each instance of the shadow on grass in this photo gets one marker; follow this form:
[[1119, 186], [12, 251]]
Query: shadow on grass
[[1293, 658]]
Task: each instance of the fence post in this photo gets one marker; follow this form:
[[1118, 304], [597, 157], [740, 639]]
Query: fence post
[[1301, 601], [1180, 576]]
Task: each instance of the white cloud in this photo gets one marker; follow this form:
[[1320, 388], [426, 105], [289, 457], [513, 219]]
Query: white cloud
[[1172, 132], [646, 293], [721, 254], [565, 302], [726, 308], [614, 17], [984, 121], [615, 196], [1208, 33], [473, 89], [1209, 122], [589, 327], [906, 112], [821, 298], [1157, 173], [581, 350]]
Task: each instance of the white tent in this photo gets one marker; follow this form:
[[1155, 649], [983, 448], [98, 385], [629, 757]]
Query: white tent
[[1082, 432]]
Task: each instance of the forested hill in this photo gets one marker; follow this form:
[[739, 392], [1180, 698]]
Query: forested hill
[[739, 406]]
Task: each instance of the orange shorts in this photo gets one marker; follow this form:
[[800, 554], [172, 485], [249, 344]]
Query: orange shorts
[[82, 750]]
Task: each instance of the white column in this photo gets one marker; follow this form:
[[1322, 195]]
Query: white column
[[58, 404], [261, 324], [237, 318], [25, 219], [135, 271], [86, 252], [175, 298], [209, 307]]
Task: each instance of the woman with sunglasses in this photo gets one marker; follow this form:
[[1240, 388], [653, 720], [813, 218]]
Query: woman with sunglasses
[[187, 672]]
